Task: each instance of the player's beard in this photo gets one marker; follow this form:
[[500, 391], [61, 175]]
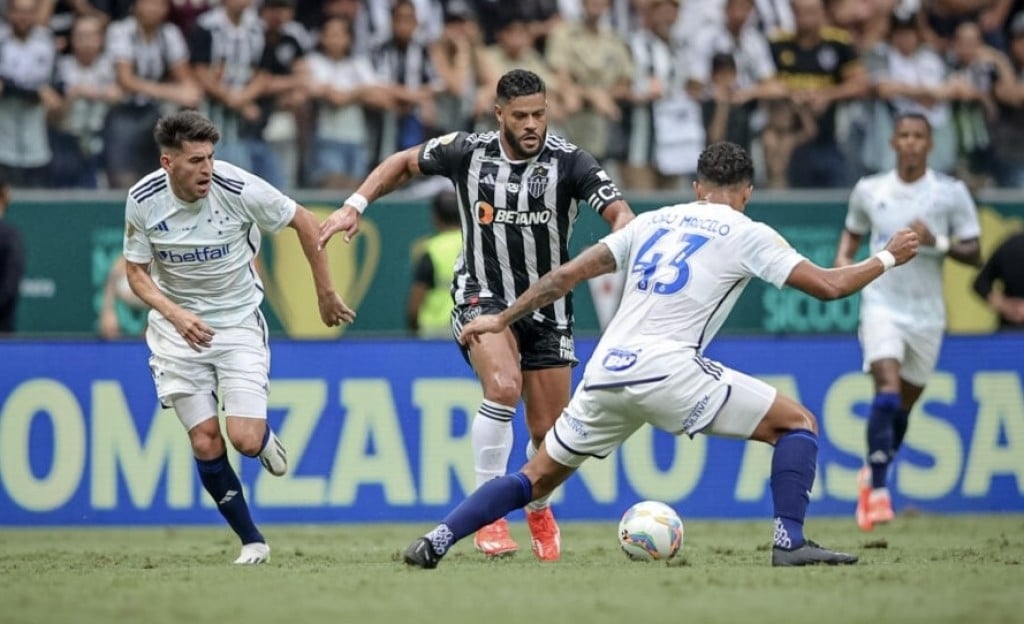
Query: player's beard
[[517, 144]]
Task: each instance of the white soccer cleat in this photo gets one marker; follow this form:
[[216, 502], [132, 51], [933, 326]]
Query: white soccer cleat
[[273, 456], [254, 554]]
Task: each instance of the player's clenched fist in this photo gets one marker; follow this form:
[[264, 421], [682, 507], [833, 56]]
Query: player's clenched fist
[[903, 245]]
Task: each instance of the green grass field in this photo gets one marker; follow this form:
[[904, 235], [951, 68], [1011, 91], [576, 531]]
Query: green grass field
[[921, 569]]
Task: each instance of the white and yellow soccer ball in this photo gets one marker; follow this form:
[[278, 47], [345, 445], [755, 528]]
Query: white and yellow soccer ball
[[651, 531]]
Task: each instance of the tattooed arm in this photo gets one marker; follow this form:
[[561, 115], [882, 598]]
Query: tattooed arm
[[595, 261]]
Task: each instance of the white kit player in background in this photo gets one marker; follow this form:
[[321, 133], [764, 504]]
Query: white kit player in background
[[192, 233], [903, 315], [686, 266]]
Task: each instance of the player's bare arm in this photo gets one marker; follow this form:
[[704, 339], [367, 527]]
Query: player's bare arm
[[196, 333], [618, 214], [828, 284], [596, 260], [849, 243], [967, 251], [333, 310], [393, 172]]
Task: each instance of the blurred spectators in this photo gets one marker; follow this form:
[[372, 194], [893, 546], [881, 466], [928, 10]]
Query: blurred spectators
[[89, 85], [26, 68], [467, 76], [593, 71], [701, 71], [907, 77], [227, 56], [151, 60], [410, 80], [284, 101], [978, 72], [341, 84], [821, 69], [1008, 139], [665, 124]]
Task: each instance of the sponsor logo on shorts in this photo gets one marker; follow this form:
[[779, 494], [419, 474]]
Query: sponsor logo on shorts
[[577, 427], [566, 348], [619, 360], [696, 412]]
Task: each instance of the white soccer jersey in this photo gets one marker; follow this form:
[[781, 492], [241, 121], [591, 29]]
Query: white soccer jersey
[[882, 204], [202, 253], [687, 265]]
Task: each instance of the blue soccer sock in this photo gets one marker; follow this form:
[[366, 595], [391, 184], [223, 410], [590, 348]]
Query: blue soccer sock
[[222, 483], [881, 436], [794, 463], [489, 502], [900, 422]]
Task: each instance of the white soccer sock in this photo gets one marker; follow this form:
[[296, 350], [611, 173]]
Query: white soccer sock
[[491, 433], [542, 502]]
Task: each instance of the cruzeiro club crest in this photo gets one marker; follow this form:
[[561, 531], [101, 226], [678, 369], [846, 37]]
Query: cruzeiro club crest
[[537, 182]]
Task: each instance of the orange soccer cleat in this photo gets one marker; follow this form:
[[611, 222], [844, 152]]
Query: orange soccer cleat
[[546, 538], [880, 507], [493, 540], [863, 499]]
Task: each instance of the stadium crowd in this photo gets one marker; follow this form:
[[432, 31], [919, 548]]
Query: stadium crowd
[[311, 93]]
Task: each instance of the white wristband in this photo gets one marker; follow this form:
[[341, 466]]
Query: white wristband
[[358, 202], [887, 259], [942, 244]]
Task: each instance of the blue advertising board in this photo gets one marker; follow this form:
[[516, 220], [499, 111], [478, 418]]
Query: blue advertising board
[[378, 431]]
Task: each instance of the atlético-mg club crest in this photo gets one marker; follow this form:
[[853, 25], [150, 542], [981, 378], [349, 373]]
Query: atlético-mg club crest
[[537, 183]]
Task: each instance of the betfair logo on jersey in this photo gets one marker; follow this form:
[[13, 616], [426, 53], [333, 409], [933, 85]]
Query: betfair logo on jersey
[[487, 214], [199, 254]]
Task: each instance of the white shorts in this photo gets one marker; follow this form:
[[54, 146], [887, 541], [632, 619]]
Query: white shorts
[[237, 365], [698, 396], [916, 349]]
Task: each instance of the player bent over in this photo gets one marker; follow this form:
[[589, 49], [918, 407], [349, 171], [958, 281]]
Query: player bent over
[[687, 265]]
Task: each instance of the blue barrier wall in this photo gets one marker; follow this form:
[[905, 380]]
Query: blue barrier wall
[[377, 430]]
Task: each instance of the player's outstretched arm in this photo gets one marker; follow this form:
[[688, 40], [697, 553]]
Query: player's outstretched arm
[[828, 284], [618, 214], [197, 334], [596, 260], [393, 172], [333, 310]]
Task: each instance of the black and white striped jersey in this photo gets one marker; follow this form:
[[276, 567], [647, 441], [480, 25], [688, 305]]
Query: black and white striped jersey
[[517, 215]]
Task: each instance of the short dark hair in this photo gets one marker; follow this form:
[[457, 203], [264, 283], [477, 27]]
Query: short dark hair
[[519, 82], [185, 126], [446, 208], [911, 115], [725, 164]]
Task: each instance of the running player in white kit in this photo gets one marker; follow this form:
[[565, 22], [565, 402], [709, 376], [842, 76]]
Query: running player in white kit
[[903, 315], [192, 232], [687, 265]]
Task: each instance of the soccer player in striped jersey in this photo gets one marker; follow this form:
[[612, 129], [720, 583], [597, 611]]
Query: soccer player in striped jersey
[[192, 233], [903, 315], [517, 190], [685, 266]]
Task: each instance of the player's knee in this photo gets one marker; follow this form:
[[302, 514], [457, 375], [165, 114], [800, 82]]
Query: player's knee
[[248, 443], [206, 444], [802, 418], [503, 388]]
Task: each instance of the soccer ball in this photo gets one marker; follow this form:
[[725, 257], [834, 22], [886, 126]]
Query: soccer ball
[[650, 531]]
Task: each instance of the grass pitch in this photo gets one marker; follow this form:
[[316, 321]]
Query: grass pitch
[[921, 569]]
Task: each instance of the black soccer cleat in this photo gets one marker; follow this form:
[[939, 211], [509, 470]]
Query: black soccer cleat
[[421, 554], [809, 554]]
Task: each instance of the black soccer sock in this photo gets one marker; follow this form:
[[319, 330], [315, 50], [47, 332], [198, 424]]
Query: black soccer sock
[[794, 463], [222, 483], [880, 436], [900, 422]]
